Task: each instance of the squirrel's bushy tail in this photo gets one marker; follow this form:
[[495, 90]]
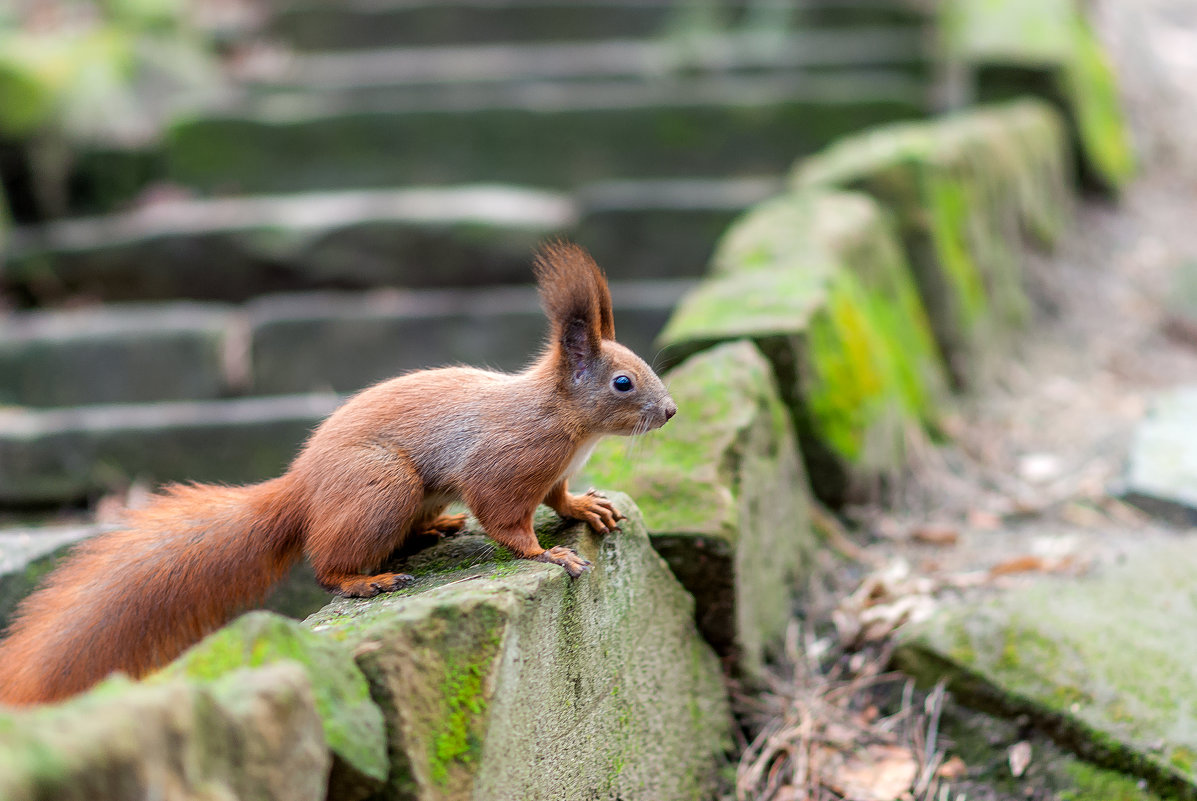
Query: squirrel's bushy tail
[[134, 598]]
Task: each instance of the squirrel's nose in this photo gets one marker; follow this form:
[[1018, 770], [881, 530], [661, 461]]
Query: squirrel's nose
[[670, 409]]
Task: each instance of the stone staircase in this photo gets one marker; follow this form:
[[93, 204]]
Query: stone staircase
[[374, 171]]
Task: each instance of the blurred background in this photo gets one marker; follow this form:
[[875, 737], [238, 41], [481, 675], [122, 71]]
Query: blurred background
[[248, 207]]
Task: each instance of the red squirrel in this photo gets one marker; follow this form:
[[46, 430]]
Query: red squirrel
[[382, 467]]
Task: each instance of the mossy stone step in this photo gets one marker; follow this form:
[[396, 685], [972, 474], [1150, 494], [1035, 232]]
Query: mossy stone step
[[115, 354], [504, 678], [966, 191], [320, 341], [253, 734], [352, 724], [339, 26], [63, 455], [1099, 663], [724, 498], [819, 283], [561, 137], [1046, 48]]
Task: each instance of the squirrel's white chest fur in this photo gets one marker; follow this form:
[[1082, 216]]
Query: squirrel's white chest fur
[[581, 456]]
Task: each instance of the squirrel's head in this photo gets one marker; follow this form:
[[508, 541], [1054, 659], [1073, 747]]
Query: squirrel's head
[[616, 390]]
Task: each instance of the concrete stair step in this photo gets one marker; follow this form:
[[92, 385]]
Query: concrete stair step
[[232, 249], [63, 455], [316, 25], [555, 134], [450, 66]]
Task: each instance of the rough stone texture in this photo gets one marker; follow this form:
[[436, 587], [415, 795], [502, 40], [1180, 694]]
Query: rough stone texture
[[590, 131], [1100, 663], [66, 454], [321, 26], [505, 678], [352, 724], [114, 355], [473, 74], [965, 191], [1162, 472], [255, 735], [724, 497], [662, 229], [819, 284], [234, 248], [1046, 48], [345, 342]]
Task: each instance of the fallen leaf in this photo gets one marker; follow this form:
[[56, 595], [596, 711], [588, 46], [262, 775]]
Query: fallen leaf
[[1019, 757], [935, 535], [881, 773], [953, 769], [1019, 564], [984, 520]]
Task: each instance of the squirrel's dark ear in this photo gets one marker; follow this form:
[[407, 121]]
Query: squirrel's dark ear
[[570, 284], [606, 316]]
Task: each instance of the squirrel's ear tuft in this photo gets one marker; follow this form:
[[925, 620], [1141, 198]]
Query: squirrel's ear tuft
[[574, 294]]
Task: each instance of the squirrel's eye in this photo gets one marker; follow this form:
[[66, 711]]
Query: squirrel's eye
[[622, 383]]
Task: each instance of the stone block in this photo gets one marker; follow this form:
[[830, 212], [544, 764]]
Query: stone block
[[1100, 663], [1161, 475], [255, 735], [560, 136], [234, 248], [352, 724], [61, 455], [818, 283], [324, 26], [504, 678], [1046, 49], [965, 191], [114, 355], [662, 229], [724, 498], [345, 342]]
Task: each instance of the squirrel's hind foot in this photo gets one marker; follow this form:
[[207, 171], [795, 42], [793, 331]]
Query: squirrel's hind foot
[[443, 526], [369, 586], [568, 558]]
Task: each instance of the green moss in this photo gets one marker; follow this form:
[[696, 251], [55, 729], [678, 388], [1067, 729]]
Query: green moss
[[1096, 784], [462, 691]]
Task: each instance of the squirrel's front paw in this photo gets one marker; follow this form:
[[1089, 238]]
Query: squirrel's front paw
[[566, 557], [597, 511]]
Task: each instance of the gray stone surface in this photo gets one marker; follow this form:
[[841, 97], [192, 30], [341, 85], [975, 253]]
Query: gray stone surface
[[345, 342], [725, 499], [1103, 663], [555, 137], [114, 354], [420, 73], [67, 454], [1162, 471], [505, 678], [234, 248], [257, 735], [352, 724]]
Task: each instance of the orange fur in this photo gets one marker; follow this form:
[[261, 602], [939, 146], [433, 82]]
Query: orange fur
[[381, 467]]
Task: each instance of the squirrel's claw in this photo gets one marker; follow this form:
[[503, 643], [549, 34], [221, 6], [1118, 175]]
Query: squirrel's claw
[[599, 512], [568, 558]]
